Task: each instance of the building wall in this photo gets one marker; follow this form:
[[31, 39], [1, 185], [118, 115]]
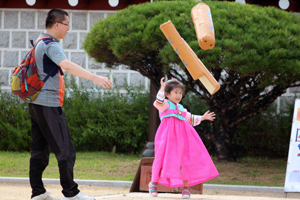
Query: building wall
[[18, 26]]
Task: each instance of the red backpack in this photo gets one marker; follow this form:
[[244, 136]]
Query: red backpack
[[24, 80]]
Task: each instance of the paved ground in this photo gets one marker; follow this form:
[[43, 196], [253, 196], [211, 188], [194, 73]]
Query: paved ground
[[19, 189], [142, 196]]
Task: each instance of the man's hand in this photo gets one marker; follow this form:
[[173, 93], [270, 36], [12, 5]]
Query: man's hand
[[103, 81]]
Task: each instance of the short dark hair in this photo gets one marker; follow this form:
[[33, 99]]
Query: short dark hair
[[172, 84], [55, 15]]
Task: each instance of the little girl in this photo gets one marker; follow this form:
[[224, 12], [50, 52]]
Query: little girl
[[181, 159]]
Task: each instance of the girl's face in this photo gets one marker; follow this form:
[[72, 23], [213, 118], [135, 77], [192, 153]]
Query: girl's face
[[175, 95]]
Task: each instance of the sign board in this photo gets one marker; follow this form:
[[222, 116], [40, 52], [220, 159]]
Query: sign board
[[292, 177]]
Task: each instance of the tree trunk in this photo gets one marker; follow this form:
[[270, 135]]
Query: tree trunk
[[222, 144]]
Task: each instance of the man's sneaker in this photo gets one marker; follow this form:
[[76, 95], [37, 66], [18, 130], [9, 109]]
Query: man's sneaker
[[45, 196], [153, 189], [186, 194], [79, 196]]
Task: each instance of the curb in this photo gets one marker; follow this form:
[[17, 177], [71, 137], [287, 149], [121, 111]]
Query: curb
[[127, 184], [246, 188], [102, 183]]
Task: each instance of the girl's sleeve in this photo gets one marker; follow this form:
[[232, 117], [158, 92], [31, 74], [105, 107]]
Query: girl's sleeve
[[161, 104], [192, 119]]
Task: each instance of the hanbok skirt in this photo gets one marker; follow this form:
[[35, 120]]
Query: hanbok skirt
[[180, 155]]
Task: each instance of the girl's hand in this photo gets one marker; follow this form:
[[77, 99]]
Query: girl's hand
[[162, 84], [208, 116]]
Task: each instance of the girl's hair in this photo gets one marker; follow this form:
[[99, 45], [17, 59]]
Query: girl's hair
[[172, 84], [55, 15]]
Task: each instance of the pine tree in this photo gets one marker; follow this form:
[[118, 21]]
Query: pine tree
[[255, 58]]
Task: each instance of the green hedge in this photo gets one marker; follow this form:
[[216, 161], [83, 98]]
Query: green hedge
[[266, 135], [15, 123], [99, 122]]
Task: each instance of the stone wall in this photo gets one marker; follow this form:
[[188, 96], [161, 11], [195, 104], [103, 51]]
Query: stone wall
[[17, 27]]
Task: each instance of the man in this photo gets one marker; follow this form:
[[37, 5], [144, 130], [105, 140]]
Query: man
[[48, 123]]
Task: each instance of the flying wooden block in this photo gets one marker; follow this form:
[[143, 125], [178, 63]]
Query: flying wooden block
[[204, 27], [189, 58]]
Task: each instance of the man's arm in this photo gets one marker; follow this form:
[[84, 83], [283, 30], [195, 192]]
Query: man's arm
[[76, 70]]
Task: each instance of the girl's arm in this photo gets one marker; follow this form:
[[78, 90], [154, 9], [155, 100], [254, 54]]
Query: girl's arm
[[161, 104], [195, 120]]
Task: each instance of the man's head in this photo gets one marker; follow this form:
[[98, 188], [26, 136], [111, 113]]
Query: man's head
[[55, 15], [57, 23]]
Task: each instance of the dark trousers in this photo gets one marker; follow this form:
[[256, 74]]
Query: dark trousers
[[49, 130]]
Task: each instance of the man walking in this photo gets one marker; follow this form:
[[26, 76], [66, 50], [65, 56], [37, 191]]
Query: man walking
[[48, 123]]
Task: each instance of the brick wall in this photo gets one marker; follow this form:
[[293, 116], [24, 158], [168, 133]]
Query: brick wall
[[18, 26]]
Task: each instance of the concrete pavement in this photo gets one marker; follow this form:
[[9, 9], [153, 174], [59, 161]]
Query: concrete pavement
[[119, 190], [146, 196], [122, 184]]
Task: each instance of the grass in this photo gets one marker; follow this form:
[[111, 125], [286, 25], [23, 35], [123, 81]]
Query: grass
[[251, 171], [109, 166], [89, 165]]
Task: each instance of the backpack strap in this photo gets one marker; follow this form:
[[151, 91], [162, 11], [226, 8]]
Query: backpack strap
[[48, 75], [36, 42], [34, 45]]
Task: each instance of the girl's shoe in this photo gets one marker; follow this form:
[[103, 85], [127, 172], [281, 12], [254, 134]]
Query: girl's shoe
[[153, 189], [186, 194]]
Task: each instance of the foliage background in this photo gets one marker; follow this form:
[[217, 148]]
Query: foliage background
[[98, 123], [265, 135], [255, 59]]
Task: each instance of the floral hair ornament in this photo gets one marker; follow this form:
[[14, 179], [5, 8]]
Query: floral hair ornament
[[174, 79]]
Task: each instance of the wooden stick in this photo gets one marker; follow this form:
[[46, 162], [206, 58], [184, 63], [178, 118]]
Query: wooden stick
[[204, 27], [194, 65]]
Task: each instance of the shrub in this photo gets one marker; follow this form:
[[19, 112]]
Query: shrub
[[97, 122], [110, 119], [15, 123], [266, 135]]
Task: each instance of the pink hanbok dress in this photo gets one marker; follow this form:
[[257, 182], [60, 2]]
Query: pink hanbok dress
[[179, 152]]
